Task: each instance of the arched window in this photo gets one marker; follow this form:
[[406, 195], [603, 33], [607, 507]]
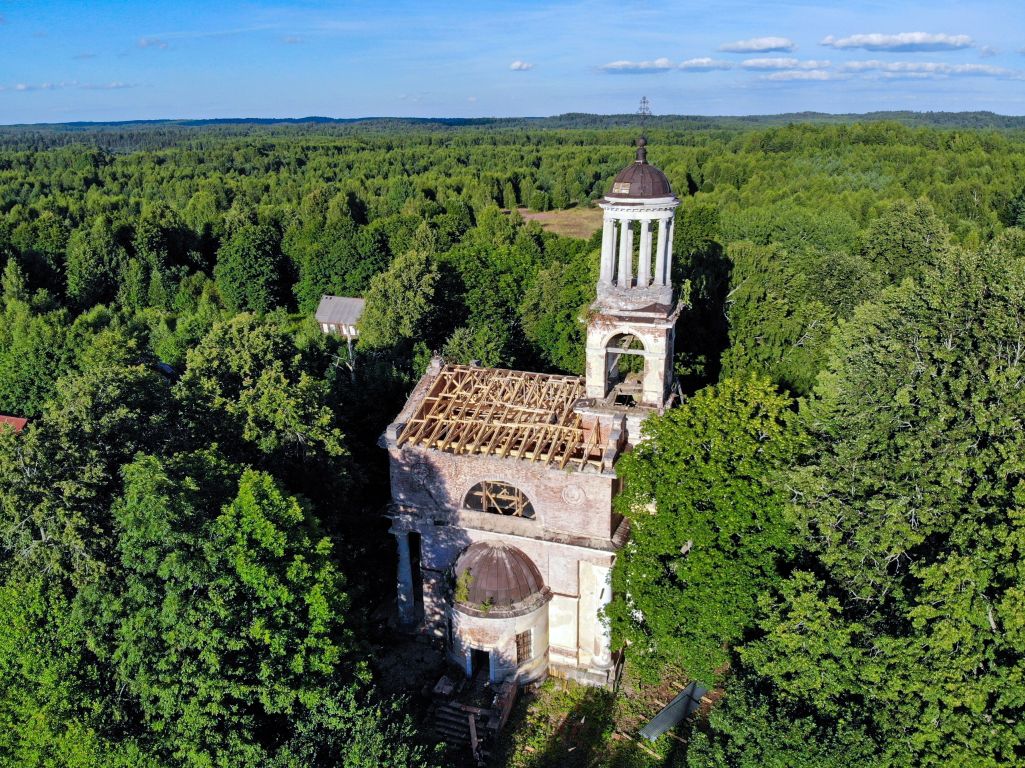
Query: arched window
[[624, 367], [498, 498]]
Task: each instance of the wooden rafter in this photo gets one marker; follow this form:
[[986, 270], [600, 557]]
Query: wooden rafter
[[497, 412]]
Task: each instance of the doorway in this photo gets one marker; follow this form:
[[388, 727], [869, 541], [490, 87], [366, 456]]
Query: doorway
[[480, 663]]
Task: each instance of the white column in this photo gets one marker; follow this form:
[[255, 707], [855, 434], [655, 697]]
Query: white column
[[660, 254], [668, 278], [626, 247], [404, 587], [644, 259], [608, 250], [602, 634]]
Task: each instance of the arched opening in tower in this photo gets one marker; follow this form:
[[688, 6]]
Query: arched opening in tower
[[625, 359]]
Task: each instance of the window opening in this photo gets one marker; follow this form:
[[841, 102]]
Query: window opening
[[499, 498], [523, 647]]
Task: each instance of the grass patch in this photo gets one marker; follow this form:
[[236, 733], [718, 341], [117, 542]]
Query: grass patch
[[580, 222], [567, 725]]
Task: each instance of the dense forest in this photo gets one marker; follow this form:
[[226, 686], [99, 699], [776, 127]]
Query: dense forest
[[191, 545]]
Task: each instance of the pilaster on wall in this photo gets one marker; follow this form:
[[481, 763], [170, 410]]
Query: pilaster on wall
[[586, 612], [436, 601], [602, 635]]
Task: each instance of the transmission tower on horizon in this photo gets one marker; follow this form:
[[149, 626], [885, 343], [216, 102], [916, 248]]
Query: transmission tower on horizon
[[644, 112]]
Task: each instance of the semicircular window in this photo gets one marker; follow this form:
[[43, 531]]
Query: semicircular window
[[498, 498]]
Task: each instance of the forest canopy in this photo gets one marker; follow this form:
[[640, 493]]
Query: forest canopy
[[827, 529]]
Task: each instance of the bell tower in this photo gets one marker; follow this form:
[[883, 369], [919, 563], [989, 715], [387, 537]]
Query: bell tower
[[630, 329]]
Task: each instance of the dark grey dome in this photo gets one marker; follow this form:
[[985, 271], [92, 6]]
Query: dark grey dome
[[640, 179]]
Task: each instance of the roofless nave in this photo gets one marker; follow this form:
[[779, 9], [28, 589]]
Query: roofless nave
[[502, 481]]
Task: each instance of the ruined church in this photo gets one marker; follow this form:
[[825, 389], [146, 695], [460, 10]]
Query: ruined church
[[502, 481]]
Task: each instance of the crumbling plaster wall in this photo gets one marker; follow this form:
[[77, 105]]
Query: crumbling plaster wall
[[568, 540], [568, 502], [498, 637]]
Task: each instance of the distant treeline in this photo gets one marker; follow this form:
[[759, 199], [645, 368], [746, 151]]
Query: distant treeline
[[131, 135]]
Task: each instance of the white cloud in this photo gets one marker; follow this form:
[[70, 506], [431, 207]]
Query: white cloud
[[520, 66], [928, 69], [624, 67], [151, 42], [113, 86], [987, 51], [800, 74], [783, 62], [759, 45], [48, 86], [292, 40], [705, 64], [904, 41], [471, 99]]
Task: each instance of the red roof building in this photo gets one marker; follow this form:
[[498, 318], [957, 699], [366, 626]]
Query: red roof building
[[17, 423]]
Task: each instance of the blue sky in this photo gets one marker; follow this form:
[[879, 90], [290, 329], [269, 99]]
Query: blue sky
[[118, 60]]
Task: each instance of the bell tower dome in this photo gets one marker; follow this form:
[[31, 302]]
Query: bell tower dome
[[640, 202], [634, 314]]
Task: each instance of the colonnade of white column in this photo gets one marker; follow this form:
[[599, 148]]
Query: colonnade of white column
[[617, 252]]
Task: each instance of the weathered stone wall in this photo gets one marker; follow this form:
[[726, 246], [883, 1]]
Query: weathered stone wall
[[498, 637], [569, 502]]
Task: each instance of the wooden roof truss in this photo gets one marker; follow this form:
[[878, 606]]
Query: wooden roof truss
[[498, 412]]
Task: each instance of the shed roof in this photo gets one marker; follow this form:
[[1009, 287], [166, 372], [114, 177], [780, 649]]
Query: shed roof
[[17, 423], [339, 310]]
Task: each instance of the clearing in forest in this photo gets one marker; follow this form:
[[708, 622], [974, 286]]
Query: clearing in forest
[[579, 222]]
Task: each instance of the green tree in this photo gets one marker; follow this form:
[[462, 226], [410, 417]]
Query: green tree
[[249, 387], [249, 269], [551, 312], [906, 238], [94, 259], [34, 354], [58, 478], [226, 625], [56, 703], [482, 343], [707, 526], [752, 728], [338, 259], [776, 324], [910, 504], [400, 301]]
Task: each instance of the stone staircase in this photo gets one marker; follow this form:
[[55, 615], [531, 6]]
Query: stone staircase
[[452, 727], [468, 716]]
